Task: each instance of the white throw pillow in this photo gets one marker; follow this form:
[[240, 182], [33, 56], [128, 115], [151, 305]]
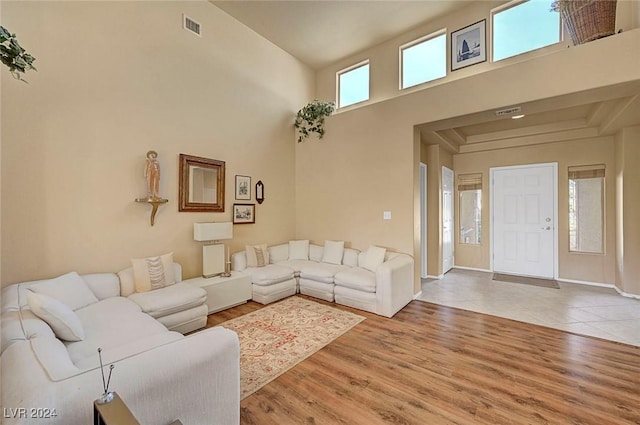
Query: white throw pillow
[[69, 289], [257, 255], [63, 321], [333, 252], [299, 250], [153, 272], [373, 258]]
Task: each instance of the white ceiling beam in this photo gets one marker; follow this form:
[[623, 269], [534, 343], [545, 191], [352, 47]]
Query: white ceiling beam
[[528, 131], [561, 136], [609, 122]]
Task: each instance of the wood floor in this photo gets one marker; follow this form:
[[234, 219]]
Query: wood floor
[[439, 365]]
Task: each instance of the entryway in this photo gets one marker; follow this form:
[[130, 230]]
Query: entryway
[[524, 220], [447, 220]]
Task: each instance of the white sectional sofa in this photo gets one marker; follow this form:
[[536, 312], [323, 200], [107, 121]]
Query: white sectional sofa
[[160, 374], [374, 280]]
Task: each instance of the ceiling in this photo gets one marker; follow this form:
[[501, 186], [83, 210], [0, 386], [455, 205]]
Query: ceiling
[[598, 112], [320, 32]]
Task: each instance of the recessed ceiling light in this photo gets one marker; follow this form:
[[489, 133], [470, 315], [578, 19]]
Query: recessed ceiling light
[[517, 117]]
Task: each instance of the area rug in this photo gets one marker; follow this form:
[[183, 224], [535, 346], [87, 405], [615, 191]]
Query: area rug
[[279, 336], [547, 283]]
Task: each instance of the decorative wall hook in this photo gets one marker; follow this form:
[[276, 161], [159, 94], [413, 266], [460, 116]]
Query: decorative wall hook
[[259, 192]]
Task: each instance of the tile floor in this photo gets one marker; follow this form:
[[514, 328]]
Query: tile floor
[[587, 310]]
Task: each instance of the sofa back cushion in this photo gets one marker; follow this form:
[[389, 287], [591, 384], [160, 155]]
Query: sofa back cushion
[[128, 284], [69, 289], [153, 272], [257, 255], [350, 257], [333, 252], [299, 250], [278, 253], [372, 258], [315, 252], [64, 322], [103, 285]]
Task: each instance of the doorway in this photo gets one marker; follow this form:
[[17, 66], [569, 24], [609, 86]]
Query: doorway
[[447, 220], [524, 220], [423, 220]]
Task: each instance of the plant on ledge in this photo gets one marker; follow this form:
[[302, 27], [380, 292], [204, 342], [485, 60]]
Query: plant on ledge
[[310, 119], [13, 55]]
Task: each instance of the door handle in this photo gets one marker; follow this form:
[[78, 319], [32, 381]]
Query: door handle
[[546, 228]]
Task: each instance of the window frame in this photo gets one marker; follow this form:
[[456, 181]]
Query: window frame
[[347, 70], [413, 43], [603, 207], [510, 5]]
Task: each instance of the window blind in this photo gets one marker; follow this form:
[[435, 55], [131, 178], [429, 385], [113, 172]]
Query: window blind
[[586, 171], [469, 181]]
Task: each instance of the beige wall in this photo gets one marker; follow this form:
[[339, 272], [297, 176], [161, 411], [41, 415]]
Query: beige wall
[[114, 80], [371, 148], [628, 210], [383, 58], [598, 268]]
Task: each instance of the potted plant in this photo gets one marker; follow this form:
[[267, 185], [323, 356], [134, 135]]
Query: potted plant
[[587, 20], [13, 55], [310, 119]]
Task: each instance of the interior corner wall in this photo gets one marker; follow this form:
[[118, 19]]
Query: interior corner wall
[[628, 210], [114, 80]]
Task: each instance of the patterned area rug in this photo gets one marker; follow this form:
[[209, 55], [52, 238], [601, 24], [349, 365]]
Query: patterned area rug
[[279, 336]]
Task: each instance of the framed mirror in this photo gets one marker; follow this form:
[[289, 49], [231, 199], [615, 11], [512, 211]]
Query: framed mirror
[[201, 184]]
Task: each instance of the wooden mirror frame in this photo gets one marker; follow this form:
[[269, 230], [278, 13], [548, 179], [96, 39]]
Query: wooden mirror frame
[[186, 162]]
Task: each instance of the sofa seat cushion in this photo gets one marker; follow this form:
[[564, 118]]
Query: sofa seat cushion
[[295, 265], [357, 278], [170, 299], [322, 272], [113, 324], [268, 275]]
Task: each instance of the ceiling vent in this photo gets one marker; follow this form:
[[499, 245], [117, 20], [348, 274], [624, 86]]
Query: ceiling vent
[[508, 111], [191, 25]]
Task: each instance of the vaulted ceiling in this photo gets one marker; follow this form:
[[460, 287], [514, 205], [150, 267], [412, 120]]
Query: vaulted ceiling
[[320, 32]]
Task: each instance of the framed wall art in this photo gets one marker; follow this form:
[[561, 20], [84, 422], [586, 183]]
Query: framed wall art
[[244, 213], [243, 188], [468, 45]]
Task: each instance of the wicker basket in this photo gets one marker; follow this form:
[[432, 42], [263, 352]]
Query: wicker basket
[[588, 20]]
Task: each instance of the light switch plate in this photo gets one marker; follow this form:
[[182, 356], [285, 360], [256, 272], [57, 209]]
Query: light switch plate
[[386, 215]]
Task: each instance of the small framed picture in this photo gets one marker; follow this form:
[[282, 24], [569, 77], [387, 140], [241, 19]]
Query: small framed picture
[[243, 188], [468, 45], [244, 213]]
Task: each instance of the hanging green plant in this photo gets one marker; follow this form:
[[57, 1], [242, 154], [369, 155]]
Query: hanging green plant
[[310, 119], [13, 55]]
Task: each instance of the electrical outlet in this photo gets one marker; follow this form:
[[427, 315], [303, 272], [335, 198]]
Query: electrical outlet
[[386, 215]]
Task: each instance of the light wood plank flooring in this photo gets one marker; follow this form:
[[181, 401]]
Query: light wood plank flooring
[[438, 365]]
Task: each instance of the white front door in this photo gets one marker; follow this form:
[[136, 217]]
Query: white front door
[[524, 220], [447, 219]]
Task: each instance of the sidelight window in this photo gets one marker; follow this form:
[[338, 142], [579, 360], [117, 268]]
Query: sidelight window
[[586, 209], [470, 208]]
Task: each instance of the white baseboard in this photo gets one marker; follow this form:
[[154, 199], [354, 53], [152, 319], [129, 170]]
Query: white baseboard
[[434, 277], [601, 285], [474, 269], [585, 282], [418, 295], [626, 294]]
